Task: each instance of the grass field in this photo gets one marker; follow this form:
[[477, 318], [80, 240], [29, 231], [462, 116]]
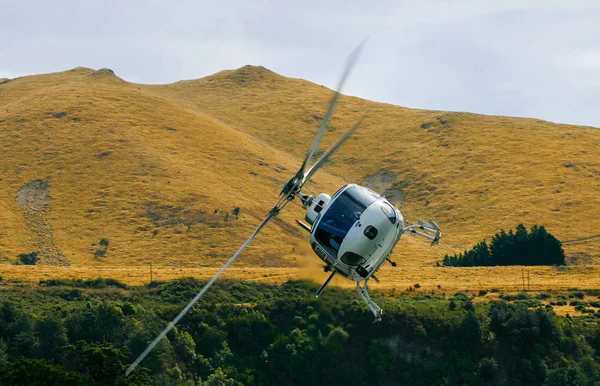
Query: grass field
[[508, 279], [159, 170]]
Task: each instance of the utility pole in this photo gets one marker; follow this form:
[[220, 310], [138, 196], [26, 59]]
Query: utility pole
[[150, 272]]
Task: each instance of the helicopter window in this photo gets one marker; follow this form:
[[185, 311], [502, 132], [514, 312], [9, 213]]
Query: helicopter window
[[389, 212], [370, 232], [341, 215]]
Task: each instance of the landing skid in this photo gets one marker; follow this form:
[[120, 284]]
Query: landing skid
[[364, 294]]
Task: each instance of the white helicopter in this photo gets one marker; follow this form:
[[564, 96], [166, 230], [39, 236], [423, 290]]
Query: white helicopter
[[353, 232]]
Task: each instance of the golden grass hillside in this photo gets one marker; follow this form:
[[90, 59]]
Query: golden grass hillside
[[473, 174], [159, 170], [160, 181]]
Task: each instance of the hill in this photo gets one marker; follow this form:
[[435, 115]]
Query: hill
[[159, 169], [474, 174], [109, 159]]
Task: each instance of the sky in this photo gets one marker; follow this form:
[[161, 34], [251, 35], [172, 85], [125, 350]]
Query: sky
[[538, 59]]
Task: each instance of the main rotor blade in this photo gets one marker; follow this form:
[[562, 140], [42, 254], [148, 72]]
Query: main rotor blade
[[172, 324], [332, 149], [325, 122]]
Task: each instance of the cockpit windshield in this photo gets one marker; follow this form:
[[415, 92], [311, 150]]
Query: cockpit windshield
[[340, 217]]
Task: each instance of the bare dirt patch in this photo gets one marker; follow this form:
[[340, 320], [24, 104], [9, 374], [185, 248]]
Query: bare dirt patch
[[33, 199], [382, 182], [33, 195]]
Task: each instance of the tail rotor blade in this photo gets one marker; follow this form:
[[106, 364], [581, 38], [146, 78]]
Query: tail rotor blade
[[325, 122], [332, 149], [172, 324]]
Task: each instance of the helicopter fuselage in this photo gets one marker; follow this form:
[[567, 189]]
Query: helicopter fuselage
[[354, 231]]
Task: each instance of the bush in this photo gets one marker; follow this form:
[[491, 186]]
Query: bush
[[104, 243], [523, 296], [29, 258], [101, 252], [462, 296], [579, 295], [89, 283], [542, 296], [519, 296]]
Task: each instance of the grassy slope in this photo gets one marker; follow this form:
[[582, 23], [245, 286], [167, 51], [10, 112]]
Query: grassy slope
[[116, 171], [474, 174]]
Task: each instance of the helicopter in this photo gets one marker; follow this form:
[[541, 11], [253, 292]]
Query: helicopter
[[353, 232]]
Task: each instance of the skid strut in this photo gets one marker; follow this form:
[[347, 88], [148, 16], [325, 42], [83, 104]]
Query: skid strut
[[364, 294]]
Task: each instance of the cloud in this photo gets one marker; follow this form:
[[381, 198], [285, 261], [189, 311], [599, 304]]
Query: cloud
[[536, 58]]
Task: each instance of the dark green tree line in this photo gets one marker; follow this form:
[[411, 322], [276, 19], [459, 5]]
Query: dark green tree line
[[273, 335], [519, 247]]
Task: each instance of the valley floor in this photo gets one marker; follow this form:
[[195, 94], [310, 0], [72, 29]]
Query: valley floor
[[513, 278]]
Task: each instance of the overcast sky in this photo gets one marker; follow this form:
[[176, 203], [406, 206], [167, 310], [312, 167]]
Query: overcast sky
[[519, 58]]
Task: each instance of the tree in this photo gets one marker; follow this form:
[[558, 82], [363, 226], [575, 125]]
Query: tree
[[518, 247], [37, 372], [103, 364], [100, 252], [218, 378], [104, 243], [51, 338]]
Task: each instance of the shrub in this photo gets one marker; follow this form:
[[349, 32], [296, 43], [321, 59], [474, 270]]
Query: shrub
[[519, 296], [462, 296], [29, 258], [523, 296], [89, 283], [482, 292], [542, 296], [530, 303], [579, 295], [104, 243], [101, 251]]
